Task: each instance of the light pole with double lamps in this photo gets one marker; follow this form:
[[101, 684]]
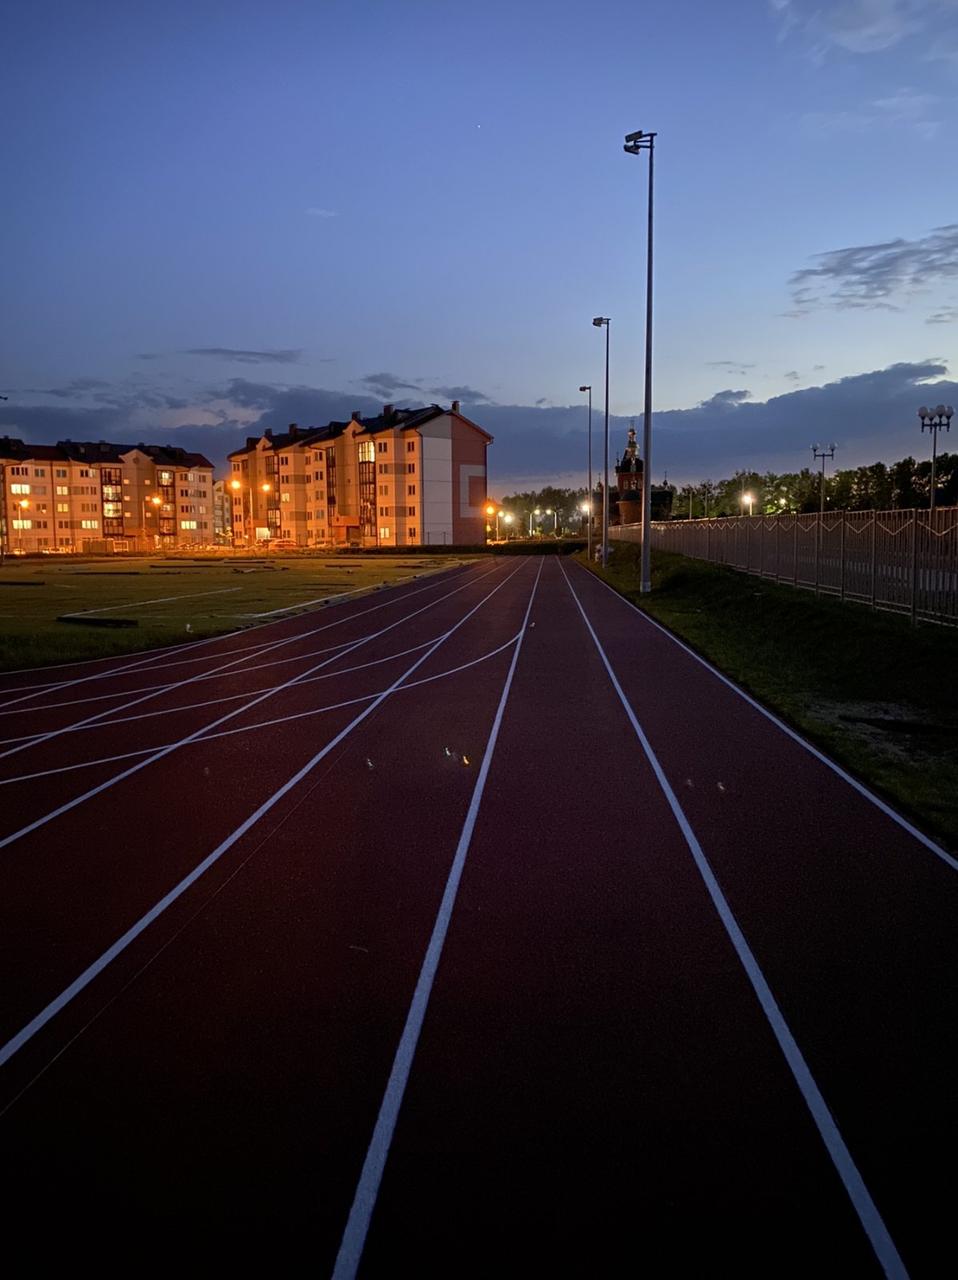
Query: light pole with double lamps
[[599, 321], [935, 420]]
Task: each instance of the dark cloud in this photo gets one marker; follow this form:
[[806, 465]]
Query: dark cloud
[[870, 415], [387, 384], [867, 276], [289, 356], [793, 375], [469, 395], [947, 315]]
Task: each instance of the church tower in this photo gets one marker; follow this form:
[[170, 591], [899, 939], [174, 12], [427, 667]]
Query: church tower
[[628, 474]]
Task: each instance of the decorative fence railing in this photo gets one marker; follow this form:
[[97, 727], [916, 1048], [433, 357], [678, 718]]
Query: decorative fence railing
[[906, 561]]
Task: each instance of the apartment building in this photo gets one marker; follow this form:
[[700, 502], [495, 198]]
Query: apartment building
[[408, 477], [89, 496]]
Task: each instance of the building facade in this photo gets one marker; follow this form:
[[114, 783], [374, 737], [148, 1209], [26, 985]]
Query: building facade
[[408, 477], [95, 496]]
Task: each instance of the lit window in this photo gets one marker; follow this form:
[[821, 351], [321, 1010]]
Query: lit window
[[285, 497], [367, 451], [19, 488], [23, 524], [384, 533], [89, 524], [63, 506], [187, 524]]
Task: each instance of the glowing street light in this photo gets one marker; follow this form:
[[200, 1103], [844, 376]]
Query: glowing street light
[[589, 508], [555, 520], [508, 518], [21, 504], [537, 512], [599, 321], [748, 499]]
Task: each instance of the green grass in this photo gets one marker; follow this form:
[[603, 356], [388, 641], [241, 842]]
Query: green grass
[[877, 694], [172, 599]]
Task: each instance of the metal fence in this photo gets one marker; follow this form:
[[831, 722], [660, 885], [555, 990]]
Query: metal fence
[[906, 561]]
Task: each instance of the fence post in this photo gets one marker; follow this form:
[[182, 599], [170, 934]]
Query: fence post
[[818, 550], [874, 554], [914, 567], [795, 549], [841, 557]]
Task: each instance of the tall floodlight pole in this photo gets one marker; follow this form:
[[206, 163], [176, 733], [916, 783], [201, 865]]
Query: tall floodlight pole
[[934, 420], [634, 143], [820, 451], [589, 533], [599, 321]]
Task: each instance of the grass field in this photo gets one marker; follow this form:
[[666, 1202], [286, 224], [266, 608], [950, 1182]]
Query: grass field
[[170, 600], [875, 693]]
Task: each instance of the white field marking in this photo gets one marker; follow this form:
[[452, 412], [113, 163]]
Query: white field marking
[[27, 1032], [866, 1209], [796, 737], [267, 724], [367, 1189], [165, 751], [231, 697], [152, 692], [288, 608], [139, 604], [262, 647]]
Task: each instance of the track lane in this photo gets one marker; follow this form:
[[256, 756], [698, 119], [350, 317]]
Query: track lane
[[849, 915], [596, 1090]]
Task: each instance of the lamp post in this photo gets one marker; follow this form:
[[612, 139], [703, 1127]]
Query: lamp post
[[508, 518], [934, 420], [749, 499], [634, 144], [589, 529], [537, 512], [266, 487], [236, 486], [153, 501], [599, 321], [555, 521], [823, 452]]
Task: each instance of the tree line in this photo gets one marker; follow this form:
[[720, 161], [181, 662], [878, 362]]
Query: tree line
[[881, 487]]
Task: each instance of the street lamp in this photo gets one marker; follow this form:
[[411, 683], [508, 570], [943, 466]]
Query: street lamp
[[634, 144], [555, 521], [153, 501], [508, 518], [589, 532], [537, 512], [599, 321], [934, 420], [823, 452], [749, 499], [266, 487]]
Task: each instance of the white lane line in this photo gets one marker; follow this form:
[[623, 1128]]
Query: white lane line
[[337, 595], [174, 746], [157, 655], [27, 1032], [268, 724], [791, 733], [250, 650], [216, 673], [871, 1220], [139, 604], [367, 1189], [230, 697]]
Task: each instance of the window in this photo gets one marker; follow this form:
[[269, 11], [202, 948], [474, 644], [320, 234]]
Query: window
[[162, 477], [411, 533], [19, 488], [187, 524], [367, 451], [39, 472], [382, 446], [85, 473], [384, 490], [284, 461], [411, 490], [410, 511], [63, 490], [411, 468], [89, 524], [410, 446], [19, 471], [383, 511], [60, 473], [22, 524], [285, 497], [382, 468], [63, 506], [384, 533]]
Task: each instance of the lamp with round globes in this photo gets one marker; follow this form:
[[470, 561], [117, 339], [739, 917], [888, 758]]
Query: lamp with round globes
[[935, 420]]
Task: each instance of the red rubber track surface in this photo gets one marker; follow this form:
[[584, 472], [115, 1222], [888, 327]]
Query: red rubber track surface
[[596, 1089]]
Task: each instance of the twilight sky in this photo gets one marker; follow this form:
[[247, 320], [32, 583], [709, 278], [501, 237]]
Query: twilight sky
[[222, 216]]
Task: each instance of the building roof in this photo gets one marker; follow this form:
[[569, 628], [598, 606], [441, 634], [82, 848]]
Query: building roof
[[90, 451], [390, 419]]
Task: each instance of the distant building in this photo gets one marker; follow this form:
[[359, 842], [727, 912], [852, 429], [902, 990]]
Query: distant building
[[94, 496], [222, 513], [627, 503], [408, 477]]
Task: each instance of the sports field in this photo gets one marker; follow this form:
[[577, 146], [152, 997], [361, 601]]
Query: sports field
[[63, 610]]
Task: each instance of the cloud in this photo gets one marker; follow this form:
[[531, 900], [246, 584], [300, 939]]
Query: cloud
[[387, 384], [947, 315], [314, 212], [288, 356], [468, 394], [869, 275], [905, 109], [730, 366], [871, 416], [793, 375], [859, 27]]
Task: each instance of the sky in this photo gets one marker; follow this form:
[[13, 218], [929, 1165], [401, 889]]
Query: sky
[[225, 216]]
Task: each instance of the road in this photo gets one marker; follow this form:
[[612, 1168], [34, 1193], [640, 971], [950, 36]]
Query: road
[[471, 927]]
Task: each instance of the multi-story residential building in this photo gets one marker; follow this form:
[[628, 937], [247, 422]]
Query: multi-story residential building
[[86, 496], [408, 477]]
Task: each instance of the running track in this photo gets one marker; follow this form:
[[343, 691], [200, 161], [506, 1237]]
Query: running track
[[475, 927]]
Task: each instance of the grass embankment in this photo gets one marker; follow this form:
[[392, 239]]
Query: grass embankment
[[875, 693], [171, 600]]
